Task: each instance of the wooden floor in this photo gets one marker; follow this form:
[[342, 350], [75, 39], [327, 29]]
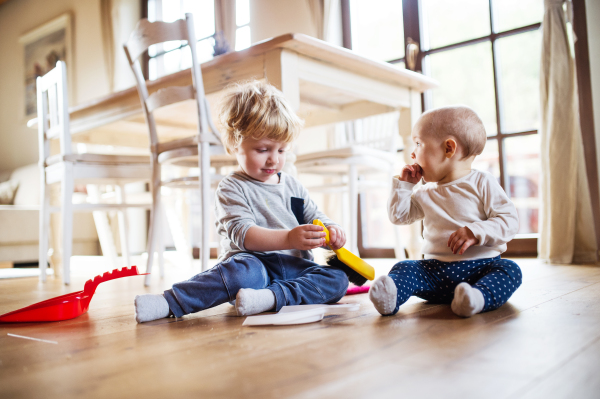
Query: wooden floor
[[545, 343]]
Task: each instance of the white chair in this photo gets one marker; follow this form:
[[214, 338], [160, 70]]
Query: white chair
[[70, 168], [182, 152], [361, 149]]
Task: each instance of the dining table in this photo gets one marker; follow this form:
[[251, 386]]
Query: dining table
[[323, 82]]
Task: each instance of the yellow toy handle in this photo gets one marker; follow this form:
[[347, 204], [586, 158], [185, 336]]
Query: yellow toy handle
[[317, 222], [351, 260]]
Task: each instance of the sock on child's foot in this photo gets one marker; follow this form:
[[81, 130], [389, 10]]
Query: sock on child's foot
[[467, 301], [249, 301], [150, 307], [383, 293]]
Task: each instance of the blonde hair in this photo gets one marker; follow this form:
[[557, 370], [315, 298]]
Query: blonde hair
[[257, 110], [459, 122]]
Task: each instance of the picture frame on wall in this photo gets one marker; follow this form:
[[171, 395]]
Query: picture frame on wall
[[42, 48]]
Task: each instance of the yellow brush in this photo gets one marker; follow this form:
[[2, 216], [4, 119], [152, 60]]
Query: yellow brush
[[348, 258]]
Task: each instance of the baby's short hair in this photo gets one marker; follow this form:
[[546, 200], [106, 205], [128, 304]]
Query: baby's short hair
[[459, 122], [257, 110]]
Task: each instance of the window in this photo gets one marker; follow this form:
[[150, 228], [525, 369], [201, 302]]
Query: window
[[170, 57], [242, 22], [485, 54], [375, 34]]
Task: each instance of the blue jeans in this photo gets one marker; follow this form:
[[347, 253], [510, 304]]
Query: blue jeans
[[435, 281], [294, 281]]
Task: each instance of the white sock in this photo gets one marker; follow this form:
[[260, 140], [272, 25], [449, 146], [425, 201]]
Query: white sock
[[467, 300], [150, 307], [383, 293], [249, 301]]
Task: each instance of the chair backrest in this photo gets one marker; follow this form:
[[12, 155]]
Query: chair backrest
[[53, 111], [379, 132], [147, 34]]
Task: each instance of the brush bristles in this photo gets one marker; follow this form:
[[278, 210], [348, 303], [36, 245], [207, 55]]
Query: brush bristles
[[353, 276]]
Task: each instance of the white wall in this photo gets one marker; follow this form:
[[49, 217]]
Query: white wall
[[18, 144], [271, 18]]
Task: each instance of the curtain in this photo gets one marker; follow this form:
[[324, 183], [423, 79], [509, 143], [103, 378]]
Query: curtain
[[108, 41], [566, 222], [118, 19], [326, 16], [225, 20]]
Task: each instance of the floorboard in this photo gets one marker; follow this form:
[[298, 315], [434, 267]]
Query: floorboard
[[544, 343]]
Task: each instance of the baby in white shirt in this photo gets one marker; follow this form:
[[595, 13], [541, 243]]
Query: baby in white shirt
[[468, 219]]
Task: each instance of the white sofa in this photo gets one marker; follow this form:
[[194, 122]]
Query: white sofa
[[19, 223]]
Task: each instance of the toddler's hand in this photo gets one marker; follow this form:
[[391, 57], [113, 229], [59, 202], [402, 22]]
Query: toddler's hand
[[411, 173], [306, 236], [337, 237], [462, 239]]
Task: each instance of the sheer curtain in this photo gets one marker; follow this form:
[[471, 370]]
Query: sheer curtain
[[118, 19], [566, 222], [225, 20]]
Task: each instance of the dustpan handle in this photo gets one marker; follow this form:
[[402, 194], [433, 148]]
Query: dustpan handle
[[90, 286]]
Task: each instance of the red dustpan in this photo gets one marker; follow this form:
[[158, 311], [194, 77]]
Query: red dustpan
[[67, 306]]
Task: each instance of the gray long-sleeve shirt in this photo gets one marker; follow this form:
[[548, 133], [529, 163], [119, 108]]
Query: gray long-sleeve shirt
[[242, 202]]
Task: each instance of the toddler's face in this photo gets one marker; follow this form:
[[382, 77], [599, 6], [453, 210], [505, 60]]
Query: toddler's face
[[262, 159], [428, 153]]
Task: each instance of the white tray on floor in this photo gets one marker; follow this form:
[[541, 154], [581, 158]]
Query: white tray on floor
[[299, 314]]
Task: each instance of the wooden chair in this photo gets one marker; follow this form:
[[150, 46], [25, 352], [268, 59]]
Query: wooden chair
[[205, 143], [361, 149], [70, 168]]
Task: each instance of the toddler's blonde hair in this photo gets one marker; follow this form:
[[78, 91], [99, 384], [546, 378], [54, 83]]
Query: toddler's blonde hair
[[257, 110], [459, 122]]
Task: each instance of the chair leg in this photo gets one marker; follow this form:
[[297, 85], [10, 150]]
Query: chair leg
[[176, 227], [105, 235], [44, 226], [415, 241], [123, 225], [153, 229], [399, 247], [160, 239], [67, 221], [204, 162], [353, 193]]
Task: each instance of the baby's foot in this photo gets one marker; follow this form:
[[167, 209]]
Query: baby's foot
[[383, 294], [150, 307], [249, 301], [467, 300]]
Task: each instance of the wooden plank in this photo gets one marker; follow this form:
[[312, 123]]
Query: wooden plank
[[367, 88], [548, 331], [252, 64], [359, 109], [281, 70]]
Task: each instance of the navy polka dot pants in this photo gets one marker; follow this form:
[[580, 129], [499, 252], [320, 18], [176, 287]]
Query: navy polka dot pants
[[435, 281]]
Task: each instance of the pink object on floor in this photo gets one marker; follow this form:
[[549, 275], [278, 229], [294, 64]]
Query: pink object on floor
[[358, 290]]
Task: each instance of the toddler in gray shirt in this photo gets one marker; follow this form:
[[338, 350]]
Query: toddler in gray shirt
[[265, 219]]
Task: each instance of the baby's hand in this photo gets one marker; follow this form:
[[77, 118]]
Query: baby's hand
[[462, 239], [337, 237], [306, 236], [411, 173]]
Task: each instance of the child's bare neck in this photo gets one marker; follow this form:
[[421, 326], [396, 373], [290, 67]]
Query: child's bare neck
[[461, 170]]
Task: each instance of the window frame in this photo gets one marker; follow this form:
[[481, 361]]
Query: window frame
[[238, 27], [146, 56], [413, 25]]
